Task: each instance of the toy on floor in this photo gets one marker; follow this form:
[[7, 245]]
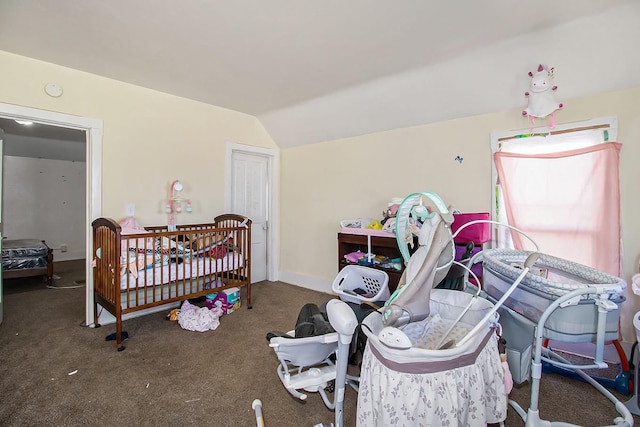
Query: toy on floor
[[200, 319], [173, 315]]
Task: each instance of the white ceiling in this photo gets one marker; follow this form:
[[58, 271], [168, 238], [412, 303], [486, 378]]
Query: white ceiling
[[318, 70]]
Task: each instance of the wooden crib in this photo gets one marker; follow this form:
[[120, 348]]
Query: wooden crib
[[140, 269]]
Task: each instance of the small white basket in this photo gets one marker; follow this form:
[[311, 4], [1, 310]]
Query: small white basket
[[357, 284]]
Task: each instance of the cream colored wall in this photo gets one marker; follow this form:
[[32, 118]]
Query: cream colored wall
[[149, 138], [356, 177]]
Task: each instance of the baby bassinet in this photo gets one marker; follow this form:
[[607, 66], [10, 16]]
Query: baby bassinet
[[558, 299], [458, 386], [573, 322], [431, 356]]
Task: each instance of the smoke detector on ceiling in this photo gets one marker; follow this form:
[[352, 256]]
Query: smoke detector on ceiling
[[53, 89]]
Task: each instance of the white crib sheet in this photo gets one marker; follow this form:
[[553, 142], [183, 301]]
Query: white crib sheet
[[171, 272]]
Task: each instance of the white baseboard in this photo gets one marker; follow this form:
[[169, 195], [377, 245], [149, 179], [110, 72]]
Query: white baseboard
[[67, 256], [106, 318], [307, 282]]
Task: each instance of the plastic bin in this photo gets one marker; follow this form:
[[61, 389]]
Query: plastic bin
[[357, 284], [477, 233]]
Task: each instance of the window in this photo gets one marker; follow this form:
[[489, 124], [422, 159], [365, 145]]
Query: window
[[561, 188]]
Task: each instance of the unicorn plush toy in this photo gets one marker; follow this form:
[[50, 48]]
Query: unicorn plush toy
[[541, 96]]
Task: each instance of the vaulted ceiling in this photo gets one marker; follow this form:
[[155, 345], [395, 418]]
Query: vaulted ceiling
[[312, 71]]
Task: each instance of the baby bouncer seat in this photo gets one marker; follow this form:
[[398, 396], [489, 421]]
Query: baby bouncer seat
[[307, 354]]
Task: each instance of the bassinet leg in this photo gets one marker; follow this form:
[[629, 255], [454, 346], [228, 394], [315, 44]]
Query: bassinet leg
[[249, 296]]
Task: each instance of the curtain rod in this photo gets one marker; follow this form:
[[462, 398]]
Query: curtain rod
[[554, 132]]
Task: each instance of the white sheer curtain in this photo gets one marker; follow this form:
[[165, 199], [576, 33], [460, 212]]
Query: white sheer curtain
[[563, 191]]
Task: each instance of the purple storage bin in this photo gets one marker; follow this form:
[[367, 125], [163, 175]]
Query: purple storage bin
[[477, 233]]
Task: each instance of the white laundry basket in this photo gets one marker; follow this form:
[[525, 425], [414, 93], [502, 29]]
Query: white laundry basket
[[357, 284]]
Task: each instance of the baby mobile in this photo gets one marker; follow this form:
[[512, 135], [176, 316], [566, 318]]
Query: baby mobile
[[174, 203], [541, 96]]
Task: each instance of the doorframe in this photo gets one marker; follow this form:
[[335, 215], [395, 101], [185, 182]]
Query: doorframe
[[93, 190], [273, 159], [1, 222]]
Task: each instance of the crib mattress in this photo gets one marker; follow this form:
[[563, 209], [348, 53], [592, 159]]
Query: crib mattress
[[172, 272]]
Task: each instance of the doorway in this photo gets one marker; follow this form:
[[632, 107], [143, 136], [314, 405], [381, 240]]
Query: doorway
[[93, 173], [251, 189]]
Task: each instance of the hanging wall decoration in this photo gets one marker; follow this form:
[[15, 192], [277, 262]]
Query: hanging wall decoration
[[541, 96], [175, 203]]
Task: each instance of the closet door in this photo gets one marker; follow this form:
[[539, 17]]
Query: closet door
[[250, 197]]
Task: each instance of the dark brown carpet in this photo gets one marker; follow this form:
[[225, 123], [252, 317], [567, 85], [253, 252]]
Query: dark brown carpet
[[55, 371]]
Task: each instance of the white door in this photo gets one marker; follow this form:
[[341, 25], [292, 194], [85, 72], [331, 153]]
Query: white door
[[250, 197]]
